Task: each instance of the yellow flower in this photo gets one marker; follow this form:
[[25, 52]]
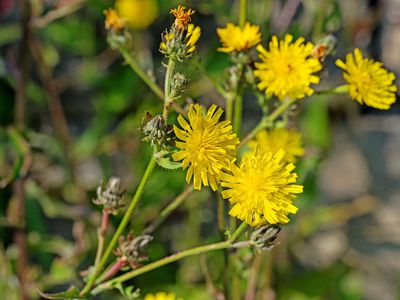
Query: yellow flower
[[113, 20], [182, 16], [368, 82], [169, 46], [277, 139], [262, 188], [206, 145], [139, 14], [234, 38], [287, 68], [161, 296]]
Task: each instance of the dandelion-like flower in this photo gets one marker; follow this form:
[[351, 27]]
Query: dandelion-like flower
[[113, 20], [161, 296], [368, 82], [277, 139], [139, 14], [262, 188], [207, 146], [287, 69], [237, 39], [182, 16]]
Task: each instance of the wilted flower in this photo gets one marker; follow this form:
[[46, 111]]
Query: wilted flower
[[132, 249], [182, 17], [111, 196], [113, 20], [179, 42]]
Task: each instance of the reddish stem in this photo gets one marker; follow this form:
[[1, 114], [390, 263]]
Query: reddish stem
[[114, 269]]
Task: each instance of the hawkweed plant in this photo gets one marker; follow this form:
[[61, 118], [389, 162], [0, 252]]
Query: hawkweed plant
[[254, 172]]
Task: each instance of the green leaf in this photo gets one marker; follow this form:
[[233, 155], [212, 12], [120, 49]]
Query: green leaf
[[128, 292], [165, 161], [72, 293]]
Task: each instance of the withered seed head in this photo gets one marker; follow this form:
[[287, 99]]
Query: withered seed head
[[111, 195], [132, 249]]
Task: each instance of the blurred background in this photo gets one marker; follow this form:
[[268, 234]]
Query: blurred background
[[79, 109]]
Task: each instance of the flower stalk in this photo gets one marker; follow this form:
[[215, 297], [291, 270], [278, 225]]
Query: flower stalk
[[121, 227], [101, 234], [170, 259]]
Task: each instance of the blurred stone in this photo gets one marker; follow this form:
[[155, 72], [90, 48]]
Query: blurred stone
[[392, 157], [345, 174], [323, 249], [88, 173], [390, 42]]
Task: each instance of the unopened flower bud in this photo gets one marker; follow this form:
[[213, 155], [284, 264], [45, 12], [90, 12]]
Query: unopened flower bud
[[263, 237], [178, 83], [157, 132]]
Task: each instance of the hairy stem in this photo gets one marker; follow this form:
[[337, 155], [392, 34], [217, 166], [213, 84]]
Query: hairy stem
[[135, 67], [121, 226], [167, 87], [237, 120]]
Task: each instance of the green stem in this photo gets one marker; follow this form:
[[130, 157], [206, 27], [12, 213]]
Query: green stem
[[237, 120], [267, 121], [229, 108], [243, 12], [167, 87], [337, 90], [170, 259], [121, 226], [168, 210], [135, 67]]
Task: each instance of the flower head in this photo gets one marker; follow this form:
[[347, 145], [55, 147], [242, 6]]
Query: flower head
[[182, 16], [262, 188], [139, 14], [368, 81], [287, 68], [277, 139], [237, 39], [206, 145], [113, 20], [161, 296], [180, 41]]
